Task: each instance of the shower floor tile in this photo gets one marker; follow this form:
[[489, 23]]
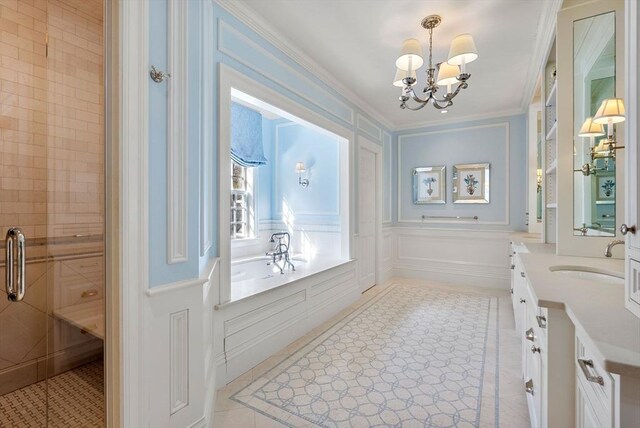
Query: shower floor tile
[[76, 399]]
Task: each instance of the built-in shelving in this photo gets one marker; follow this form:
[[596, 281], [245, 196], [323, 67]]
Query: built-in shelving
[[551, 135], [550, 124], [551, 98], [551, 169]]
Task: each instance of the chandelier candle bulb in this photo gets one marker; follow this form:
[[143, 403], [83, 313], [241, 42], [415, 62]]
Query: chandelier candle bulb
[[447, 75], [400, 75]]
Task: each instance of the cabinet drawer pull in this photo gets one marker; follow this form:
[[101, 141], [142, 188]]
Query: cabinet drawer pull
[[89, 293], [522, 274], [522, 301], [542, 321], [513, 267], [528, 386], [584, 365], [511, 290], [535, 349], [529, 335]]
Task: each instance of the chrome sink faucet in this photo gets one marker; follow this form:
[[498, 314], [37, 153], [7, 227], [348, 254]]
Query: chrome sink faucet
[[610, 245], [280, 253]]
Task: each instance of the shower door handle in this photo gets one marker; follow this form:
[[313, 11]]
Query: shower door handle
[[15, 292]]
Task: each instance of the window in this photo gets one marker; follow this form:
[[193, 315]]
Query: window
[[242, 212]]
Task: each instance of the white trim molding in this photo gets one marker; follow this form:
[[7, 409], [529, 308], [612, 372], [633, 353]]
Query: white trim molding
[[177, 131], [207, 140], [133, 205], [369, 128], [179, 360], [227, 32], [400, 171], [545, 35], [387, 148], [265, 30]]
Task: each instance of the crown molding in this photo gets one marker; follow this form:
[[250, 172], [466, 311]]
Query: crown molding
[[545, 35], [258, 24], [460, 120]]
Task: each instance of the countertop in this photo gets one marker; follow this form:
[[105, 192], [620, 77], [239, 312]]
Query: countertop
[[595, 308]]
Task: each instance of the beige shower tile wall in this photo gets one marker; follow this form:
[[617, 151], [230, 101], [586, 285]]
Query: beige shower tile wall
[[23, 116], [51, 117], [75, 119]]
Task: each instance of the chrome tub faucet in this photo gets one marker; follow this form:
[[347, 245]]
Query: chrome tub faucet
[[280, 252]]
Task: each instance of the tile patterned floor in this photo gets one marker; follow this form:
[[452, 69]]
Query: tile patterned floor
[[76, 400], [410, 354]]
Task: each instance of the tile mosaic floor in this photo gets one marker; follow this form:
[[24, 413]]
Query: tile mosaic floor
[[410, 353], [76, 400]]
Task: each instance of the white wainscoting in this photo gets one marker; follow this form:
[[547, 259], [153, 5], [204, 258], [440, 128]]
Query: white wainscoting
[[253, 329], [471, 257], [179, 371], [388, 253]]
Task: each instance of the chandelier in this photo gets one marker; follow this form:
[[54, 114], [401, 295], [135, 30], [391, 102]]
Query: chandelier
[[453, 71]]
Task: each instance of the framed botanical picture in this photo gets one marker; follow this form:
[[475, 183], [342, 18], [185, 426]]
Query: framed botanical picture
[[471, 183], [429, 185], [605, 187]]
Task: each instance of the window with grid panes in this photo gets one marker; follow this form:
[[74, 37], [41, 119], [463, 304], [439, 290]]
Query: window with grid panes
[[241, 202]]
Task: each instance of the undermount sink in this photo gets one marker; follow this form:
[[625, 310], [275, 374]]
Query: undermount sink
[[589, 273]]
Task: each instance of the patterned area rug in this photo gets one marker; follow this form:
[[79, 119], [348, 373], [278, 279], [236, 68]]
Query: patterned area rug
[[76, 399], [411, 356]]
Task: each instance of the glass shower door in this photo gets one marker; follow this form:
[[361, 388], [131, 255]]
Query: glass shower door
[[51, 213], [24, 332]]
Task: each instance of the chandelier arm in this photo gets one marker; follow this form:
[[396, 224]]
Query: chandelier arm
[[416, 98], [437, 105], [416, 108]]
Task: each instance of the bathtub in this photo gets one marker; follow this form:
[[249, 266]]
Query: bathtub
[[251, 276]]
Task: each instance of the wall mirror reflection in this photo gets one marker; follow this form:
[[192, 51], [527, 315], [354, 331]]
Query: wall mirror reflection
[[594, 184]]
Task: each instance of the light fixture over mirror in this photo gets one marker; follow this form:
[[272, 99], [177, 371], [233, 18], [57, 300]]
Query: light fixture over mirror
[[453, 71]]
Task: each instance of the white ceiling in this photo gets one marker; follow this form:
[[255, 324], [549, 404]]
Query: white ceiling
[[357, 42]]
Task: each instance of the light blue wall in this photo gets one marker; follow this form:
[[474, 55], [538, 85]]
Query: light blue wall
[[238, 47], [160, 272], [470, 142], [286, 143], [319, 202]]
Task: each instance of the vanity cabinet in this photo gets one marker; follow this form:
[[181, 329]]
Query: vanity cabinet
[[595, 390], [547, 351]]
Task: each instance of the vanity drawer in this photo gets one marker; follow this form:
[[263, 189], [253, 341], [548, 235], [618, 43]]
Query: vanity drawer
[[597, 384]]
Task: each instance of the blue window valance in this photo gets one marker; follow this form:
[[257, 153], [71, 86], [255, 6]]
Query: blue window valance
[[246, 136]]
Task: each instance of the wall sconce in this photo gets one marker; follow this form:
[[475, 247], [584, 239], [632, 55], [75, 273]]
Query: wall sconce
[[300, 169], [590, 130], [611, 111]]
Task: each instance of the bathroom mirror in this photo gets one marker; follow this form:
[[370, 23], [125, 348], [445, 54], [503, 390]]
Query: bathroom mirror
[[594, 178]]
